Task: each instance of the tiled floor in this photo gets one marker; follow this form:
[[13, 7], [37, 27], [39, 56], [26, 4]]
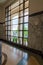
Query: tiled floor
[[18, 57]]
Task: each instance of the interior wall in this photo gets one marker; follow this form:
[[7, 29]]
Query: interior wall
[[36, 25], [1, 14], [35, 6], [1, 31]]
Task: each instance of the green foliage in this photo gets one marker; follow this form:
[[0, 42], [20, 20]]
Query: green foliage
[[15, 39]]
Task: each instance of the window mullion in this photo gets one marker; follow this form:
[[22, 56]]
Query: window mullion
[[23, 22]]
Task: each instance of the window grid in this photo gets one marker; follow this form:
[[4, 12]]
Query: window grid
[[8, 25]]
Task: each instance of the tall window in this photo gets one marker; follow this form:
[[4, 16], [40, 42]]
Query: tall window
[[17, 19]]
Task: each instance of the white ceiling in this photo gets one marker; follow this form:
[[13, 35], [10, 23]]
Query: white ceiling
[[2, 1]]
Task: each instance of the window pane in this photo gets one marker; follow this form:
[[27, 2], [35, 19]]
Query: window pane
[[26, 26], [26, 19], [15, 21], [21, 7], [21, 1], [14, 16], [12, 39], [25, 41], [8, 22], [8, 32], [15, 39], [20, 40], [14, 33], [26, 4], [8, 27], [25, 34], [8, 38], [9, 8], [21, 20], [8, 13], [14, 5], [13, 11], [26, 12], [20, 34], [21, 13], [14, 27], [21, 25], [8, 18], [5, 19]]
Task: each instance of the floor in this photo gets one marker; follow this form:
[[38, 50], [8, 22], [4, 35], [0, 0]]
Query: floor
[[15, 56]]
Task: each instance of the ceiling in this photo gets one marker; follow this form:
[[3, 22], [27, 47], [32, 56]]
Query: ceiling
[[2, 2]]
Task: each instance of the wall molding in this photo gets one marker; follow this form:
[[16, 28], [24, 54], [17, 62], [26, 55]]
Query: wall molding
[[35, 14]]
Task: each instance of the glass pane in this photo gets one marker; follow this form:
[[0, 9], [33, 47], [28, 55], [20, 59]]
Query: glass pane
[[26, 19], [8, 17], [14, 5], [8, 32], [20, 34], [8, 38], [15, 39], [21, 7], [5, 23], [26, 4], [15, 21], [14, 16], [9, 8], [14, 27], [5, 19], [13, 11], [25, 40], [8, 27], [21, 25], [26, 12], [21, 20], [25, 34], [12, 39], [8, 13], [21, 13], [14, 33], [26, 26], [20, 39], [21, 1], [8, 22]]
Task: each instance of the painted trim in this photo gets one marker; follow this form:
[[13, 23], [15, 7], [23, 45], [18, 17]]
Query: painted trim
[[35, 14], [2, 22]]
